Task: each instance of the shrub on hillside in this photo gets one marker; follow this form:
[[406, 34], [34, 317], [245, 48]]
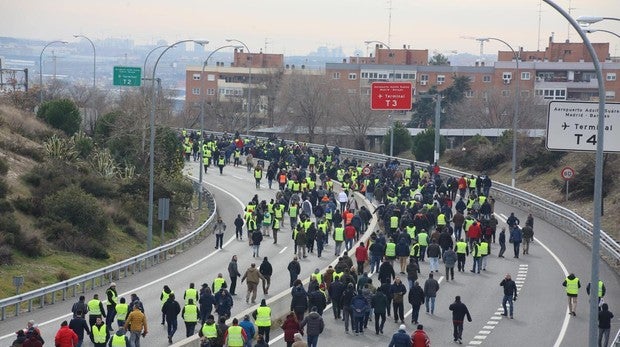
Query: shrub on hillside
[[4, 166], [120, 218], [99, 187], [62, 275], [30, 206], [32, 246], [540, 160], [4, 188], [582, 185], [6, 207], [8, 224], [61, 114], [6, 255]]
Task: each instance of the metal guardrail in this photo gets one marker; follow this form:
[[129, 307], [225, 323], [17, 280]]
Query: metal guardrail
[[70, 288]]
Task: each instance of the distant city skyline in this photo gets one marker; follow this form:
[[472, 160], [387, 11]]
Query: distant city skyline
[[293, 27]]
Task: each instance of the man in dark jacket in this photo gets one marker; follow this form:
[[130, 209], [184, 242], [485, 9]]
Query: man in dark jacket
[[314, 326], [345, 303], [233, 272], [266, 270], [459, 311], [379, 304], [299, 300], [604, 324], [293, 269], [398, 291], [359, 306], [317, 299], [386, 272], [416, 299], [171, 310], [79, 325], [431, 287], [336, 289], [510, 294], [401, 338]]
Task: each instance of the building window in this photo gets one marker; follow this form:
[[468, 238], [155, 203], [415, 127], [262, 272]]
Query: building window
[[552, 94], [525, 76], [196, 77], [486, 78], [424, 77], [352, 76], [611, 76], [336, 75], [409, 76], [441, 79], [196, 91], [210, 91], [610, 95], [506, 75], [364, 75], [525, 93], [469, 94], [505, 93], [485, 96], [211, 77], [352, 91]]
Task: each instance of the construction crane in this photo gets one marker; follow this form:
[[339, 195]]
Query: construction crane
[[482, 40]]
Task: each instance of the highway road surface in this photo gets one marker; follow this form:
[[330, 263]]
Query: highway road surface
[[541, 317]]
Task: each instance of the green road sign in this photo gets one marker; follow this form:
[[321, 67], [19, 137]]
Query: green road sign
[[127, 76]]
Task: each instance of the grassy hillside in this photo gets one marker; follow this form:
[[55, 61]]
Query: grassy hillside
[[21, 153]]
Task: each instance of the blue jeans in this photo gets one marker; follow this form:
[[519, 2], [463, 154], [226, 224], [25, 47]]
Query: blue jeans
[[477, 264], [415, 313], [338, 248], [433, 263], [374, 263], [172, 325], [430, 304], [313, 340], [507, 299], [348, 244]]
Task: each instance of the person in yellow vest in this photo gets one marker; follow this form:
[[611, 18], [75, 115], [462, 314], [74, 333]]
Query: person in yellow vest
[[262, 318], [390, 251], [572, 285], [235, 336], [476, 253], [119, 339], [111, 305], [338, 238], [190, 314], [217, 283], [122, 310], [258, 175], [462, 251], [484, 253], [600, 291], [99, 334], [221, 162], [95, 310], [190, 293], [163, 297], [209, 332]]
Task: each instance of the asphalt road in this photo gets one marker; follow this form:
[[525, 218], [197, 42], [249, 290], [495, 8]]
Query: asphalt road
[[541, 317]]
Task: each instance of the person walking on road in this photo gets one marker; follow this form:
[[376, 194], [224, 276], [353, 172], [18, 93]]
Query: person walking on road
[[99, 334], [218, 230], [111, 305], [600, 291], [294, 269], [171, 310], [431, 287], [291, 328], [510, 294], [604, 325], [416, 299], [266, 270], [502, 243], [235, 336], [234, 273], [314, 326], [400, 338], [190, 314], [239, 227], [516, 237], [137, 321], [378, 303], [419, 338], [253, 277], [95, 310], [262, 318], [459, 312], [79, 326], [65, 337], [572, 285], [528, 236]]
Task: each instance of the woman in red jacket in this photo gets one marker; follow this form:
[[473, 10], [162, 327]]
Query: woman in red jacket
[[290, 327], [65, 337]]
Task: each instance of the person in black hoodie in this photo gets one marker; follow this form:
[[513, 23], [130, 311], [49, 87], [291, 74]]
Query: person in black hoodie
[[345, 303], [416, 299], [79, 325], [604, 324], [171, 310], [459, 311], [299, 300], [336, 289]]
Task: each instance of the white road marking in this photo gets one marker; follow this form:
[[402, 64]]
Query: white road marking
[[283, 249]]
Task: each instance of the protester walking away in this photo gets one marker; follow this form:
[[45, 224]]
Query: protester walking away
[[298, 341], [314, 326], [416, 299], [171, 310], [233, 272], [190, 314], [206, 301], [527, 237], [266, 270], [99, 334], [345, 303], [419, 338], [510, 294], [136, 325], [449, 260], [359, 307], [66, 337], [601, 290], [235, 336], [291, 327], [218, 230], [378, 303], [257, 238], [502, 243], [400, 338], [252, 276], [163, 297], [119, 338], [95, 310], [262, 318], [604, 325], [190, 293], [431, 287], [462, 251], [516, 237], [294, 269], [299, 300], [249, 329], [459, 312], [572, 285], [80, 306], [239, 227], [398, 291], [111, 305], [209, 332]]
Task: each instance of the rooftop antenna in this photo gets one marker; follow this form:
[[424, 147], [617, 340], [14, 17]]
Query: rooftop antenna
[[539, 24], [568, 25], [267, 42], [389, 23]]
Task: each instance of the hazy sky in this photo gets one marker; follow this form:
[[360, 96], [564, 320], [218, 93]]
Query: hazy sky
[[297, 27]]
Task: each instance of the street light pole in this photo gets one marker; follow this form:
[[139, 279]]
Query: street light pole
[[590, 31], [149, 237], [147, 58], [247, 122], [598, 169], [94, 58], [41, 67], [203, 93], [437, 127], [515, 117]]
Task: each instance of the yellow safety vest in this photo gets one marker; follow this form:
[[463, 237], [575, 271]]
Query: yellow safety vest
[[441, 219], [339, 234], [121, 311], [390, 249], [119, 341], [461, 247], [600, 289], [235, 339], [572, 286], [394, 222], [94, 307], [99, 333], [414, 250], [217, 284], [276, 224], [209, 331], [113, 300], [423, 239], [263, 316], [483, 248], [190, 293], [410, 231], [319, 277], [190, 313], [337, 275], [258, 174], [164, 297]]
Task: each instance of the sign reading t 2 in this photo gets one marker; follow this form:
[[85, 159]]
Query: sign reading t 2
[[390, 96]]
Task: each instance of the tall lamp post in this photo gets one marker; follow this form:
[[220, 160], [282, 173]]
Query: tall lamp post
[[147, 58], [41, 67], [94, 58], [149, 238], [590, 31], [515, 117], [598, 166], [247, 122], [392, 79], [203, 94]]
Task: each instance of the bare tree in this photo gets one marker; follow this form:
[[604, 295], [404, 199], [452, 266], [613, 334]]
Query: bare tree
[[271, 84], [355, 114]]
